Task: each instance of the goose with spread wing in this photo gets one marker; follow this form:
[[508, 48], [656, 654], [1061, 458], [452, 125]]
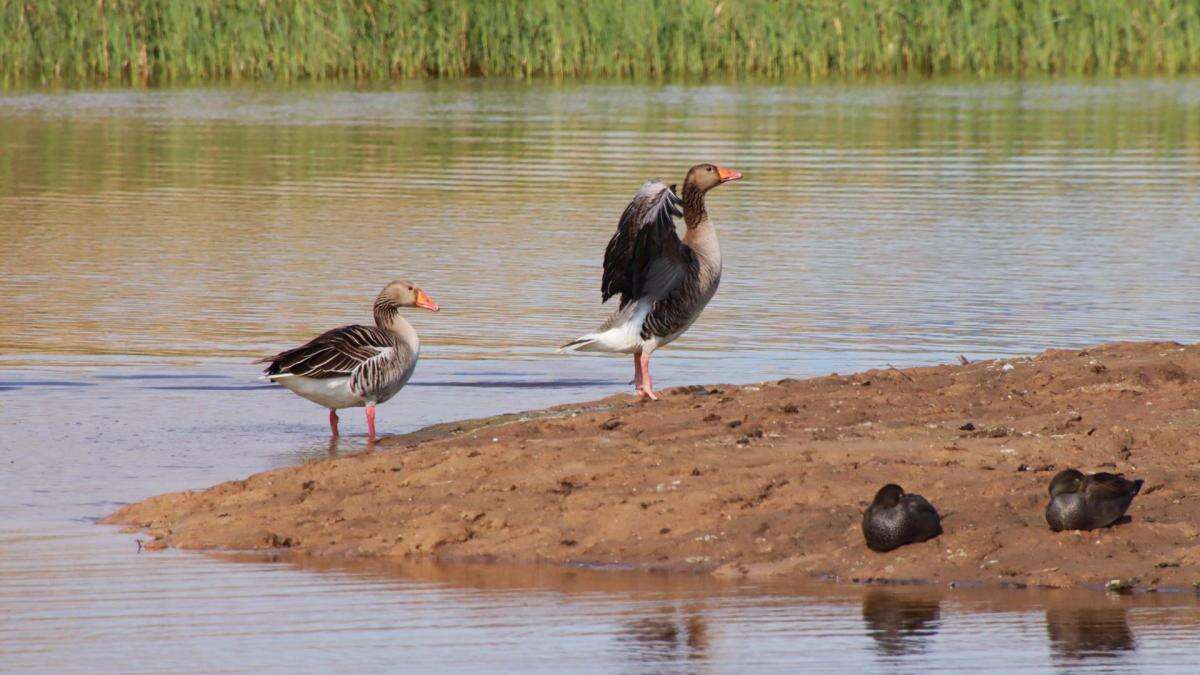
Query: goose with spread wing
[[663, 281], [356, 366]]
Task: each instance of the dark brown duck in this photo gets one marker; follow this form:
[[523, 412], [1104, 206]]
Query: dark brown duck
[[1082, 502], [896, 518]]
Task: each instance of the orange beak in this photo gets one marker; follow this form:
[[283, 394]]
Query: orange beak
[[426, 302], [726, 175]]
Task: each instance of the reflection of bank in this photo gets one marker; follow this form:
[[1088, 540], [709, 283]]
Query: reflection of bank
[[900, 624], [1083, 632], [670, 635]]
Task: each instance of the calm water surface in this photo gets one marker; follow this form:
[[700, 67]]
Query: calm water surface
[[152, 243]]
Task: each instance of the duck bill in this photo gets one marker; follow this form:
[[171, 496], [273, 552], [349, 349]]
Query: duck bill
[[726, 175], [426, 302]]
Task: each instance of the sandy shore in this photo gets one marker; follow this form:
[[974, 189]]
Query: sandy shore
[[762, 480]]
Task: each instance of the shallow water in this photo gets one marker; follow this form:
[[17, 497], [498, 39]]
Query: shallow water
[[151, 243], [164, 611]]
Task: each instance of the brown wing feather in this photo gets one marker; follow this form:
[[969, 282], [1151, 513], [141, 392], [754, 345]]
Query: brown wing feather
[[334, 353], [1108, 485], [645, 240]]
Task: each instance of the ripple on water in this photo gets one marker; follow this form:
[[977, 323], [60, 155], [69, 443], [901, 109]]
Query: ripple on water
[[1008, 216]]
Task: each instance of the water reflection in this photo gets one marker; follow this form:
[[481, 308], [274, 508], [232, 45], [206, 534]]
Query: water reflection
[[115, 609], [900, 623], [671, 634], [323, 448], [1089, 631]]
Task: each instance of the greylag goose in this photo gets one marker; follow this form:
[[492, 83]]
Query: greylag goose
[[1081, 502], [664, 282], [896, 518], [356, 366]]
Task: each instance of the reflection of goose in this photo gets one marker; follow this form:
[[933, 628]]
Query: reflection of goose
[[1089, 631], [667, 637], [664, 283], [899, 624], [1083, 502], [356, 366]]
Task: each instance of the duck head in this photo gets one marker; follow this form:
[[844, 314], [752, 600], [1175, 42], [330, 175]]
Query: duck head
[[1066, 482], [888, 496]]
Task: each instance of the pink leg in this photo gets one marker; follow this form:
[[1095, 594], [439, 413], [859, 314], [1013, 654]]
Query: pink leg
[[333, 420], [371, 422], [637, 371], [646, 388]]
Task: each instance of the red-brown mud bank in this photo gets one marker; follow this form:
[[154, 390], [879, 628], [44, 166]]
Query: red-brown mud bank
[[759, 480]]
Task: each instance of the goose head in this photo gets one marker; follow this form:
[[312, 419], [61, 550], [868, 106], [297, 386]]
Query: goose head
[[402, 293], [704, 177]]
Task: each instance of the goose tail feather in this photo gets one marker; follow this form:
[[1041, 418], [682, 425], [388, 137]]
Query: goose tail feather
[[587, 343]]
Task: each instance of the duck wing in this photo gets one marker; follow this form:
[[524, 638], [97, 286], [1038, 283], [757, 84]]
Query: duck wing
[[340, 352], [645, 257], [1113, 486], [924, 517], [918, 505], [1108, 496]]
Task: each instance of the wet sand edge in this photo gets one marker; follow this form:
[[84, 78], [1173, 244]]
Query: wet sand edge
[[765, 480]]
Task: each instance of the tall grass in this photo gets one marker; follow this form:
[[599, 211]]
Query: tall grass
[[180, 40]]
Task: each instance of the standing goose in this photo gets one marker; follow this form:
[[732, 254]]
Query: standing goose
[[664, 283], [355, 366]]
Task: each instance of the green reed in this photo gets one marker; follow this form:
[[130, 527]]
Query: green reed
[[161, 41]]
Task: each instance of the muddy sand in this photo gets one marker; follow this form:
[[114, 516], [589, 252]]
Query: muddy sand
[[762, 480]]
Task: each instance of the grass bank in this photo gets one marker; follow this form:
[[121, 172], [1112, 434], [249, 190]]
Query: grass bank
[[163, 41]]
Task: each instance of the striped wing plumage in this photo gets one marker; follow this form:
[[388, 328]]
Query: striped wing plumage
[[371, 357]]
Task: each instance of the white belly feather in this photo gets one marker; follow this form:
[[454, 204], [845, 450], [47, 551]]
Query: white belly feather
[[331, 392]]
